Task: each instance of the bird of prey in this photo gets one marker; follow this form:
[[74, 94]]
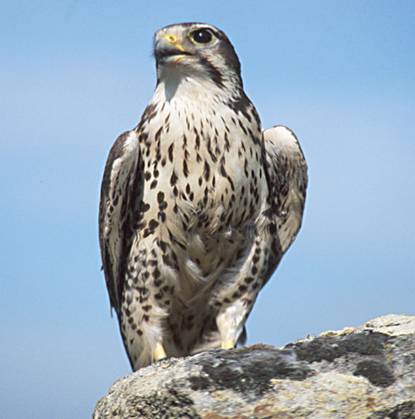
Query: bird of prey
[[198, 204]]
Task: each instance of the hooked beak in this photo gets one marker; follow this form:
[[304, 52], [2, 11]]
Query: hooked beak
[[168, 47]]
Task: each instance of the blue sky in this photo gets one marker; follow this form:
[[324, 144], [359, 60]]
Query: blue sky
[[75, 74]]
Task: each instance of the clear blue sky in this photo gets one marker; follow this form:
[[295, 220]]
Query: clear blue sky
[[74, 74]]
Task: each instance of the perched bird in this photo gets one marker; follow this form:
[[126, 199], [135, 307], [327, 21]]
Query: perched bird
[[198, 204]]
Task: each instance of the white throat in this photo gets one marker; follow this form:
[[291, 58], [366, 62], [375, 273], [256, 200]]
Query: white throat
[[175, 84]]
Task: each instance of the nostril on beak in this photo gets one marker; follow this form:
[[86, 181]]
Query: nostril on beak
[[170, 38]]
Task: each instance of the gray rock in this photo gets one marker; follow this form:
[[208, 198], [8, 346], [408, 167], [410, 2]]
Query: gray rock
[[365, 372]]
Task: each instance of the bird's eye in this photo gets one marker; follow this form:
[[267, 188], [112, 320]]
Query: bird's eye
[[201, 36]]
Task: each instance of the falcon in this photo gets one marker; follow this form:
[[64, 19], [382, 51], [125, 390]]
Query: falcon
[[198, 204]]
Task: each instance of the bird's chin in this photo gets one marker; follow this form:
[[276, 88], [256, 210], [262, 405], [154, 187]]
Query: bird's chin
[[175, 59], [170, 56]]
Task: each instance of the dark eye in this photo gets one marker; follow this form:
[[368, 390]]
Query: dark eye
[[202, 36]]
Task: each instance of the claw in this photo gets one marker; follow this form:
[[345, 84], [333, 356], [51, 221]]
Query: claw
[[159, 352], [227, 344]]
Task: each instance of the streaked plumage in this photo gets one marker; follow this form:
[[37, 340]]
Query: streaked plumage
[[198, 205]]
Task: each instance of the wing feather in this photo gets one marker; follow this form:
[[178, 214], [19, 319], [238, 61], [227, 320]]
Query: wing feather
[[119, 205], [286, 170]]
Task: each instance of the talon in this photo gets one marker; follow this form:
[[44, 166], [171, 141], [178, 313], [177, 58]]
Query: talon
[[228, 344], [159, 352]]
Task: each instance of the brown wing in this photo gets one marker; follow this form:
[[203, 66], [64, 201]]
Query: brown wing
[[287, 179], [121, 191]]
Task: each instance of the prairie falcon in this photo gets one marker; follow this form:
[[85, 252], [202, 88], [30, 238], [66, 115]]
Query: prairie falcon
[[198, 204]]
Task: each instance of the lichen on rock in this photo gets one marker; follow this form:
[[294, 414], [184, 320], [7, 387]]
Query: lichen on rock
[[364, 372]]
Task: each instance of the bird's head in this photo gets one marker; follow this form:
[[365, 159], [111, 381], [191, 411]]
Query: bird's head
[[197, 50]]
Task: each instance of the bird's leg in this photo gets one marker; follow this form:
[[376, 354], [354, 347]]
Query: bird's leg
[[159, 352], [237, 297], [230, 322]]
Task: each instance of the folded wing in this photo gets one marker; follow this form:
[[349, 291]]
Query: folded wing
[[286, 170], [121, 192]]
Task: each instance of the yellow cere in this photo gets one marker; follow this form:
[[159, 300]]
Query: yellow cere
[[173, 40]]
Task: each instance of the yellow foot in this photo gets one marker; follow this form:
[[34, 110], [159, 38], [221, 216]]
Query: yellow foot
[[159, 352], [228, 344]]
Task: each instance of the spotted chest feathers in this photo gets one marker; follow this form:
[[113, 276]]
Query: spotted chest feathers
[[203, 177]]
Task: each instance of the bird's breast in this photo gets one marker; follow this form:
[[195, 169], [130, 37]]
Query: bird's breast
[[204, 172]]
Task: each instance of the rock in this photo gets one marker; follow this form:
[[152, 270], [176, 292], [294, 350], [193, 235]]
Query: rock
[[365, 372]]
